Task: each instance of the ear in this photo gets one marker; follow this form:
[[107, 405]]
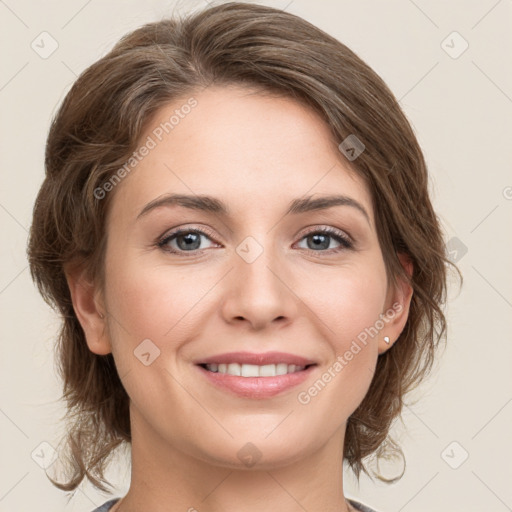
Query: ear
[[398, 302], [88, 306]]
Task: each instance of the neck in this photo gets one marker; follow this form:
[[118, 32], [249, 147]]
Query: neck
[[172, 478]]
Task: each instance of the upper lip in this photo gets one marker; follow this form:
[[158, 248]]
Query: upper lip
[[257, 359]]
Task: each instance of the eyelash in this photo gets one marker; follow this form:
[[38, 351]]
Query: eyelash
[[344, 241]]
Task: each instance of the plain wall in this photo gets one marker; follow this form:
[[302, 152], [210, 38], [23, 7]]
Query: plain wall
[[460, 107]]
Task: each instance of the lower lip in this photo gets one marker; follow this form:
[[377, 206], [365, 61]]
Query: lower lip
[[257, 387]]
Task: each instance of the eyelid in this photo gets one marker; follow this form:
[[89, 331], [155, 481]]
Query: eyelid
[[344, 239], [203, 230], [347, 242], [329, 230]]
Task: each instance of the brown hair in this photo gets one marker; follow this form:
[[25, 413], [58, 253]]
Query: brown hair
[[98, 127]]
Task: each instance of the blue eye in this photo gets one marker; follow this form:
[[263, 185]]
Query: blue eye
[[188, 240], [321, 240]]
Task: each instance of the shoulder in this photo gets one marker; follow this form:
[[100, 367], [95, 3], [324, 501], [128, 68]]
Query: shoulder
[[360, 507], [107, 505]]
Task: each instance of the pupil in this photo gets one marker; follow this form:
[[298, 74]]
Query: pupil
[[318, 242], [189, 240]]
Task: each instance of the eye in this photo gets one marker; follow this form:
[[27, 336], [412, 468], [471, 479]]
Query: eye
[[188, 240], [322, 238], [184, 240]]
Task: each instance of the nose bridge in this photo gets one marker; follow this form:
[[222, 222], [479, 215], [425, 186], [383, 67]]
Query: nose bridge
[[260, 294], [258, 265]]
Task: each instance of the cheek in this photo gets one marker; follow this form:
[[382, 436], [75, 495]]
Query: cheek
[[348, 307], [348, 300], [153, 313], [154, 302]]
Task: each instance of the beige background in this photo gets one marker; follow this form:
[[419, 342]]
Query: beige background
[[461, 110]]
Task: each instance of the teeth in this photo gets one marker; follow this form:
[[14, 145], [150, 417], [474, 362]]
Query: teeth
[[253, 370]]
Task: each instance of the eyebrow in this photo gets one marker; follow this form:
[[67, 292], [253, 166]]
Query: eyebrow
[[213, 205]]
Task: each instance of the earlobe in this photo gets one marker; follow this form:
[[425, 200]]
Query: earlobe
[[89, 311], [399, 301]]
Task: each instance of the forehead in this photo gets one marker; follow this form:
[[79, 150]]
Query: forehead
[[250, 148]]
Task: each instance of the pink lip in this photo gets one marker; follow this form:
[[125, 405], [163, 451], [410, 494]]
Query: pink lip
[[257, 387], [258, 359]]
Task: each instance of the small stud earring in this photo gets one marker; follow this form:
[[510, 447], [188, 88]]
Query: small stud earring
[[101, 315], [386, 339]]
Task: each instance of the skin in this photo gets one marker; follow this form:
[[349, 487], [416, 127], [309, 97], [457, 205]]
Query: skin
[[256, 153]]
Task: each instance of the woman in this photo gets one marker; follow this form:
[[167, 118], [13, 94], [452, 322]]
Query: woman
[[236, 228]]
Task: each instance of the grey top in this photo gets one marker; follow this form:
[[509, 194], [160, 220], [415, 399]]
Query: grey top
[[360, 506], [109, 504]]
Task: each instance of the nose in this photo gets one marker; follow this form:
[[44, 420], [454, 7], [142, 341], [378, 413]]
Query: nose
[[259, 293]]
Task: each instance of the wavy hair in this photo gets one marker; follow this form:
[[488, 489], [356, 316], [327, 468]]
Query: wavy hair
[[97, 128]]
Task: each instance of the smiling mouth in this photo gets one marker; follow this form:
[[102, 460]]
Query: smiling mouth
[[253, 370]]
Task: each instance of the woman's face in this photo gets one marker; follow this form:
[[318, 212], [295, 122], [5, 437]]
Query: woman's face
[[246, 274]]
